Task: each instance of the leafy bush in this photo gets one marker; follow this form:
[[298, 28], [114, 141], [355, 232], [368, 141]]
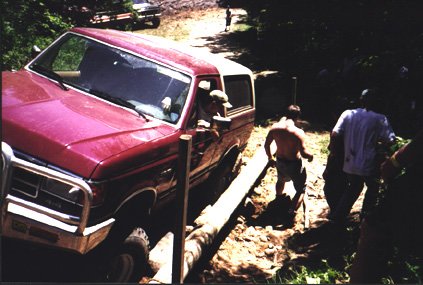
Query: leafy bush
[[399, 142], [39, 22], [27, 23]]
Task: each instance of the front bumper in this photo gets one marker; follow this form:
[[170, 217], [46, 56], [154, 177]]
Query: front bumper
[[148, 17], [24, 220]]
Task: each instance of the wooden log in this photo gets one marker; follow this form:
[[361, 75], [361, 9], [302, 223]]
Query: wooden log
[[161, 253], [305, 209], [213, 218]]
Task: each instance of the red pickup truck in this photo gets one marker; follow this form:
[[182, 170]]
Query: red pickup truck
[[90, 134]]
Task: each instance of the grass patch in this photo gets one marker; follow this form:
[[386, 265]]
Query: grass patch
[[241, 27], [323, 274]]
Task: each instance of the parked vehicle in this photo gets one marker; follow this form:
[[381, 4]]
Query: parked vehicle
[[147, 12], [143, 12], [89, 151]]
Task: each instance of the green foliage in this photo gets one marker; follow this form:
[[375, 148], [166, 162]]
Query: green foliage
[[406, 269], [323, 144], [70, 55], [324, 274], [399, 142], [39, 22], [361, 43], [414, 273], [27, 23]]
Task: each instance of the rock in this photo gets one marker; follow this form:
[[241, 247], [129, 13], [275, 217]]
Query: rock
[[270, 251], [249, 208], [264, 238]]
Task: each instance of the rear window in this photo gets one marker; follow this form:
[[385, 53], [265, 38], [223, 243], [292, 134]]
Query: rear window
[[239, 90]]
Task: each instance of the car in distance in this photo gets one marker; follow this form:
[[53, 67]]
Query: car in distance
[[147, 12], [90, 134], [143, 12]]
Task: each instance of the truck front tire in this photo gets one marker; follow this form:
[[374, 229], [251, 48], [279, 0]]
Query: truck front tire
[[156, 22], [223, 176], [130, 262]]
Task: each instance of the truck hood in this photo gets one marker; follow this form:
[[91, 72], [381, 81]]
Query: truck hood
[[69, 129]]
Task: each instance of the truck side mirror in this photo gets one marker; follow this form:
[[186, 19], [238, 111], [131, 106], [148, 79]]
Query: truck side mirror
[[35, 51], [221, 123]]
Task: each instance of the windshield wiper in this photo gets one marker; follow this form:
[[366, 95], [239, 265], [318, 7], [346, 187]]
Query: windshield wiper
[[50, 73], [117, 100]]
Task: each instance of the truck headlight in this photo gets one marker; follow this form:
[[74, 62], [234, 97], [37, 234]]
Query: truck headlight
[[61, 190]]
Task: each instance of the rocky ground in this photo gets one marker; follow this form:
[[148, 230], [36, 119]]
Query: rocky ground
[[258, 243]]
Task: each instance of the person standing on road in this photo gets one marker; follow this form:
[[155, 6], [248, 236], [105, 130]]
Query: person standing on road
[[290, 143], [361, 130], [228, 19]]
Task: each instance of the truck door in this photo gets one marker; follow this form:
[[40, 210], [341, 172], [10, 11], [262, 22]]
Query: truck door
[[203, 143], [240, 91]]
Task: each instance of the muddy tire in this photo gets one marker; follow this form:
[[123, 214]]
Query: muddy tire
[[129, 263], [222, 177]]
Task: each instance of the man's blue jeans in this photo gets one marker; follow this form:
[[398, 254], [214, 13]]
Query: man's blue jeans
[[351, 194]]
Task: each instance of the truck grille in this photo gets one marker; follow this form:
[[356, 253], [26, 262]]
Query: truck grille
[[31, 186], [26, 182], [148, 13]]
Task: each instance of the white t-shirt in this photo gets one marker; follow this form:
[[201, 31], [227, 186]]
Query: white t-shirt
[[362, 130]]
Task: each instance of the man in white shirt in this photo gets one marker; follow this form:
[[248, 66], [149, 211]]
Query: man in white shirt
[[361, 129]]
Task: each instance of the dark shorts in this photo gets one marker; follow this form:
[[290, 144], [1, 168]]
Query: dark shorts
[[290, 170]]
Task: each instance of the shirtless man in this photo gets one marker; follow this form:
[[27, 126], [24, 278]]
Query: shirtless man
[[290, 143]]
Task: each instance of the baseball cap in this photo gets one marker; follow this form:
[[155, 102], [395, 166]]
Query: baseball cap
[[220, 96]]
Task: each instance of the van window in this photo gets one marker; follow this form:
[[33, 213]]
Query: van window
[[239, 91]]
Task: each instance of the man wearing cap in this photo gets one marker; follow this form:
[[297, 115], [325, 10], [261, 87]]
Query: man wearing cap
[[210, 105], [361, 130]]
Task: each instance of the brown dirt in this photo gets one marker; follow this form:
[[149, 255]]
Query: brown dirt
[[259, 243]]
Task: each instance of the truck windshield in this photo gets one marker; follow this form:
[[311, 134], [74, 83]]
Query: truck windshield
[[96, 68]]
